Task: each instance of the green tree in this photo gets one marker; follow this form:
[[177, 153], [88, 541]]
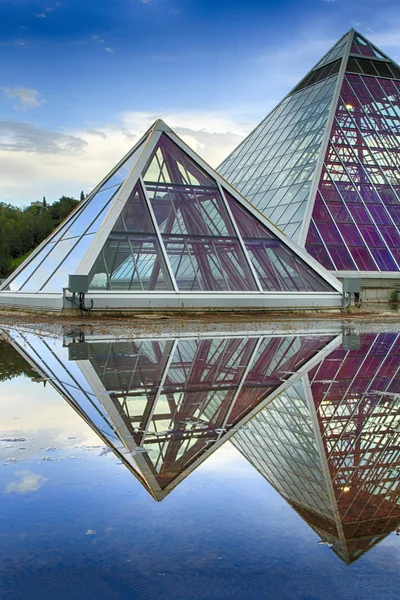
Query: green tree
[[22, 229]]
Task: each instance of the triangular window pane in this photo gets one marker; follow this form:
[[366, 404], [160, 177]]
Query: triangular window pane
[[84, 220], [171, 165], [277, 267], [131, 258]]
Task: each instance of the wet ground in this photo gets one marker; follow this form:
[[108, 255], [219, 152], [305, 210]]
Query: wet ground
[[200, 459]]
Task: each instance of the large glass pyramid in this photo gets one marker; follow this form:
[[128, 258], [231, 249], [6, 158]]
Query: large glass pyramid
[[324, 165], [163, 228]]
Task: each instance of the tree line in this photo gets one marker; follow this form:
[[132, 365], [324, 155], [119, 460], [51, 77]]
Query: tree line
[[22, 229]]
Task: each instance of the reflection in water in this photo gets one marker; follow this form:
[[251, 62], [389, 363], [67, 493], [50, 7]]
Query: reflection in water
[[317, 418], [164, 405], [330, 445]]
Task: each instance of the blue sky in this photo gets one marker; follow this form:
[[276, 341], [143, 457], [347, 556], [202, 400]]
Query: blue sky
[[81, 81]]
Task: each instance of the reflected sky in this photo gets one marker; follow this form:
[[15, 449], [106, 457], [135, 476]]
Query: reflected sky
[[203, 466]]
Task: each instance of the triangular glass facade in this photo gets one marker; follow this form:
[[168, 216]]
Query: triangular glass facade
[[180, 230], [347, 212], [165, 227], [275, 165]]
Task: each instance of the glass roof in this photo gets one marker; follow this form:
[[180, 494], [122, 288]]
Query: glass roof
[[181, 231], [274, 166], [356, 217], [178, 231]]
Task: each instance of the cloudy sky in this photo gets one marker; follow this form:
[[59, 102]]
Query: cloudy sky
[[80, 81]]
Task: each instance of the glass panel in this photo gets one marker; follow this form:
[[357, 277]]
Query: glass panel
[[170, 164], [208, 264], [130, 262], [272, 170], [20, 279], [90, 212], [122, 173], [48, 266], [68, 267], [361, 183], [277, 267], [131, 258]]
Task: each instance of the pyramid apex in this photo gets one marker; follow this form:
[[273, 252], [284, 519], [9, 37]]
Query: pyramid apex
[[160, 125]]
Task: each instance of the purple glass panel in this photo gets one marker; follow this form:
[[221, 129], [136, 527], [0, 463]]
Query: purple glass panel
[[359, 213], [341, 258], [394, 212], [371, 236], [350, 234], [361, 158], [339, 212], [362, 258], [329, 234], [391, 236], [384, 260]]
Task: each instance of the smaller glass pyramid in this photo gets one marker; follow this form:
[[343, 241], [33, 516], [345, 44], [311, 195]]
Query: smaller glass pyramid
[[163, 222]]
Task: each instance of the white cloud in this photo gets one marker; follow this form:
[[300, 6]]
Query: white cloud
[[27, 97], [26, 482], [42, 16], [24, 137], [56, 163], [109, 50]]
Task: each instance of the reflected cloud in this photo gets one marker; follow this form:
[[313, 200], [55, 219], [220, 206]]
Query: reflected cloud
[[26, 482]]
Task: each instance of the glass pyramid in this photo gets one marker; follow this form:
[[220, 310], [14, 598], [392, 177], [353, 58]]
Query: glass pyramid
[[163, 222], [323, 442], [347, 210]]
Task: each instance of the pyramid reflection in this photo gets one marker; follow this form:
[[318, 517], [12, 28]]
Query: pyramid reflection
[[330, 445], [165, 404]]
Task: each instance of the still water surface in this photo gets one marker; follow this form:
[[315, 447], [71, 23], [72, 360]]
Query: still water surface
[[231, 465]]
